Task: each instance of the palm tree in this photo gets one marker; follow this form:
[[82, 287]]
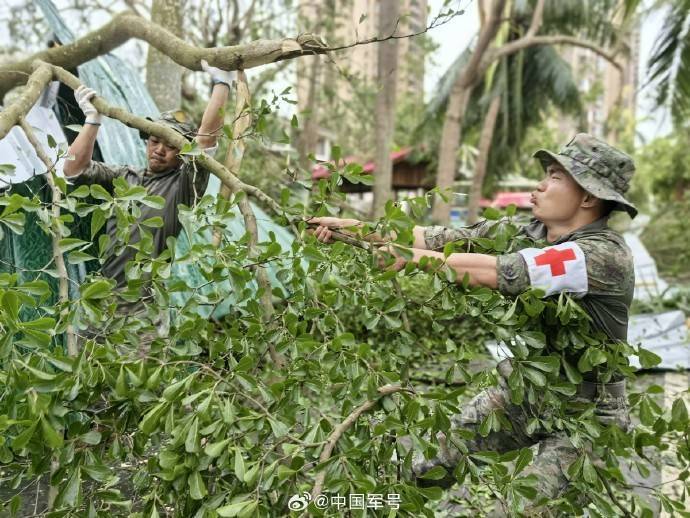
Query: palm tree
[[669, 64], [581, 23]]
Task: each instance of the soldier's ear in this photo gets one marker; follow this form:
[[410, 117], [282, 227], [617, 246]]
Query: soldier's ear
[[589, 201]]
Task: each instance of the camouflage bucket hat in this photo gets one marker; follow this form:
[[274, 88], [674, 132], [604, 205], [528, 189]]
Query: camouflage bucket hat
[[597, 167], [178, 120]]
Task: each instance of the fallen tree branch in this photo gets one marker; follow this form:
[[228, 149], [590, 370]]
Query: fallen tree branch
[[233, 161], [126, 26], [147, 126], [63, 278], [339, 430], [235, 152], [10, 115]]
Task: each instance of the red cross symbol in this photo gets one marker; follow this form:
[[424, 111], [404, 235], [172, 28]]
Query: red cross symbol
[[555, 259]]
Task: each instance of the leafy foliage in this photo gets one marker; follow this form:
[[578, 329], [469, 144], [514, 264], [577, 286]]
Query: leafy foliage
[[202, 424]]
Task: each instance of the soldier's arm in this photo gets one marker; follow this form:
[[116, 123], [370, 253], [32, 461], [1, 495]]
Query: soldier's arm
[[425, 238], [212, 120], [481, 268], [80, 152]]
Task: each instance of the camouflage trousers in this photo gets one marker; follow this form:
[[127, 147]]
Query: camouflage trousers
[[553, 452]]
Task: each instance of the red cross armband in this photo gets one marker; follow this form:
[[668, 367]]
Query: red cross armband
[[557, 268]]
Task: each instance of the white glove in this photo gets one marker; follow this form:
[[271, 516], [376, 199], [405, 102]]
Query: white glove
[[83, 95], [218, 75]]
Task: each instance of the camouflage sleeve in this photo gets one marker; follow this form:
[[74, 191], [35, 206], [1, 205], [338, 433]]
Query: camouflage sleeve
[[511, 274], [606, 269], [610, 269], [98, 173], [436, 236]]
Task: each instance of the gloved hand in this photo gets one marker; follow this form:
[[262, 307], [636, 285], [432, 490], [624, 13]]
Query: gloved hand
[[218, 75], [83, 95]]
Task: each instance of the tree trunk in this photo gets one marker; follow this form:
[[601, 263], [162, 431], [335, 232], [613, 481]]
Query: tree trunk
[[163, 75], [309, 136], [455, 112], [384, 116], [448, 148], [485, 141]]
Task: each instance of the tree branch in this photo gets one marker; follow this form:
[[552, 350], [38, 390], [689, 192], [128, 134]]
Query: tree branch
[[537, 19], [126, 26], [558, 39], [63, 278], [233, 160], [167, 134], [339, 430]]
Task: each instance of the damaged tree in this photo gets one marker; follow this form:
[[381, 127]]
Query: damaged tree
[[203, 425]]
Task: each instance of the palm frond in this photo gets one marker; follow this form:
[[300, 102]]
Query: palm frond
[[669, 63]]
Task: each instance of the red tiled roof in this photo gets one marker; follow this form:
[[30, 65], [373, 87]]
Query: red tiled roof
[[321, 171], [502, 199]]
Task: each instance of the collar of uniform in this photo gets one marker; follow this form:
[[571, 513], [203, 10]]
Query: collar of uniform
[[537, 230]]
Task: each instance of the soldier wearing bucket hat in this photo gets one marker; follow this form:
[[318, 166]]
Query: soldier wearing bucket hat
[[569, 249], [166, 174]]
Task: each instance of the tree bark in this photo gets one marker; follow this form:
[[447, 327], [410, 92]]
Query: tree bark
[[485, 141], [126, 26], [163, 75], [308, 138], [133, 121], [455, 113], [384, 115]]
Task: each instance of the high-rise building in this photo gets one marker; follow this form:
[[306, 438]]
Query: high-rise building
[[603, 86], [346, 81]]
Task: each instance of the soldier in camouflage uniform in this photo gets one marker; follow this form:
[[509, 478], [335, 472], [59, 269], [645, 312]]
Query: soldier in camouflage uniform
[[166, 175], [583, 183]]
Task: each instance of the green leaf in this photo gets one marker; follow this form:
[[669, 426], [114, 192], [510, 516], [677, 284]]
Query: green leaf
[[50, 435], [234, 509], [279, 428], [647, 358], [588, 471], [150, 421], [216, 448], [571, 373], [491, 213], [535, 376], [45, 376], [197, 488], [239, 464], [69, 496], [96, 290], [435, 473], [172, 392], [70, 243], [191, 443], [522, 461], [679, 415], [10, 303], [21, 440], [93, 437]]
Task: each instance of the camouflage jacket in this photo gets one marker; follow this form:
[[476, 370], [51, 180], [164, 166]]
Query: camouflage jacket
[[592, 263]]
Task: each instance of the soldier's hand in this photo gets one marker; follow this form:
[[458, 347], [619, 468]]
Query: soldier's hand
[[218, 75], [83, 95], [325, 226], [388, 257]]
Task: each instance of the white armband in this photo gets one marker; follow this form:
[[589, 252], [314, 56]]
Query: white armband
[[557, 268]]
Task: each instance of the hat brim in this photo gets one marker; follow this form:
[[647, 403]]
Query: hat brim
[[578, 172]]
